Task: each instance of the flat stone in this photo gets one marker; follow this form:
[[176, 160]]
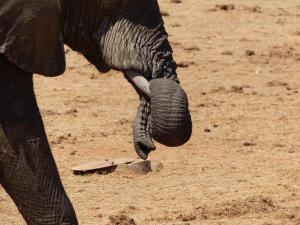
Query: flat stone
[[123, 161], [139, 166], [120, 165], [93, 165]]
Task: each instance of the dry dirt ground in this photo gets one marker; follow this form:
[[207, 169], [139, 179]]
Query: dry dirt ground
[[240, 67]]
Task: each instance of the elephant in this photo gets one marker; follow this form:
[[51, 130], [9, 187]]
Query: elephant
[[123, 35]]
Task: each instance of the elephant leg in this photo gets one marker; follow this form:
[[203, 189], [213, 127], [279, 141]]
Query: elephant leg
[[27, 169]]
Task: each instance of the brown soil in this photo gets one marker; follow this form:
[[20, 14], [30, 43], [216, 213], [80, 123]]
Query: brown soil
[[121, 220], [239, 63]]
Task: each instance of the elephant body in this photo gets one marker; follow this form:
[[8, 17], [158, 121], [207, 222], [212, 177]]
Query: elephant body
[[125, 35]]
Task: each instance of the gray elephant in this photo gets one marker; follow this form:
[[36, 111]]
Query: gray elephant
[[125, 35]]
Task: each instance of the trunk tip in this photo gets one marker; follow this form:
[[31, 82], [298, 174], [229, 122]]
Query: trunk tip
[[170, 115]]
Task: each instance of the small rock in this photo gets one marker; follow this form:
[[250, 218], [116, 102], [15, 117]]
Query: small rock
[[73, 153], [248, 144], [226, 7], [207, 130], [250, 53]]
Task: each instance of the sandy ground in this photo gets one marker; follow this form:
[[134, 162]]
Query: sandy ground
[[240, 68]]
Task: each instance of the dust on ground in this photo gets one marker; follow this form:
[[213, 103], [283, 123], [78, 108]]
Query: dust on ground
[[239, 63]]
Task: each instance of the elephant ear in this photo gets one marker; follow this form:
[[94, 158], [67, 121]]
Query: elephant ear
[[30, 35]]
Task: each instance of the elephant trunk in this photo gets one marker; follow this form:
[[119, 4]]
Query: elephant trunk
[[166, 116], [143, 53]]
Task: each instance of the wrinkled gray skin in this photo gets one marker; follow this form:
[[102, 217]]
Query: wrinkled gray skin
[[125, 35]]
